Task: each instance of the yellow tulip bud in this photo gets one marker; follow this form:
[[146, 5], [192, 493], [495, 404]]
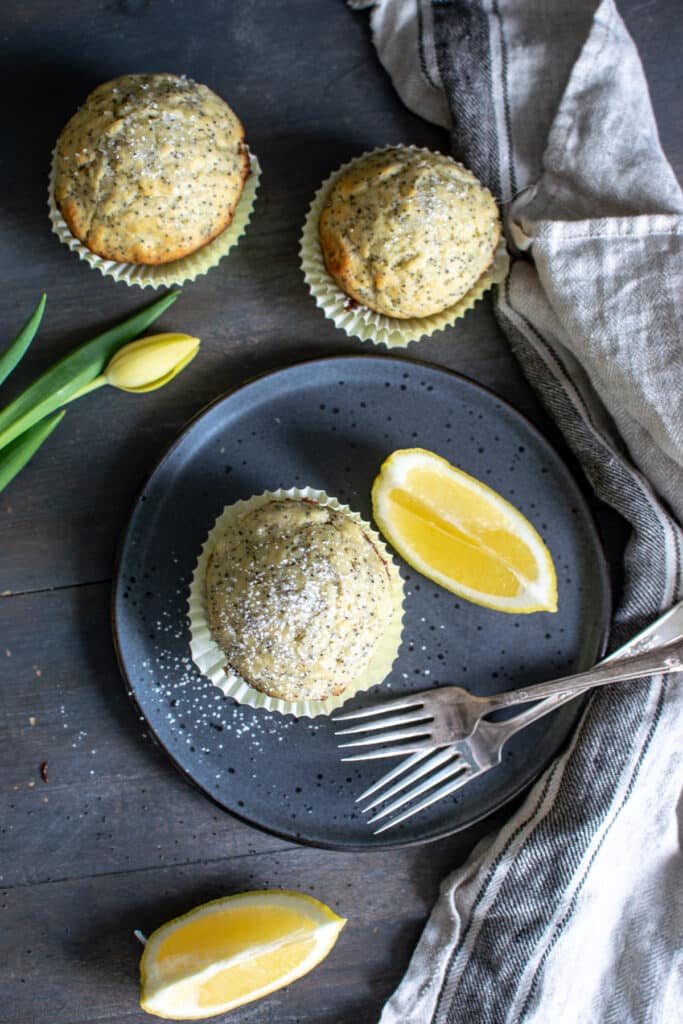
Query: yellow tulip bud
[[149, 363]]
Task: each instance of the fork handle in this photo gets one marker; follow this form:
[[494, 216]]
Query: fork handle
[[668, 658]]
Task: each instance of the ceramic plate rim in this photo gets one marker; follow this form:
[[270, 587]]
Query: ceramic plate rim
[[298, 838]]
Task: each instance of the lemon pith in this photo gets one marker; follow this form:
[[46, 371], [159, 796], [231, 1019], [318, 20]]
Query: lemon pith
[[233, 950], [462, 534]]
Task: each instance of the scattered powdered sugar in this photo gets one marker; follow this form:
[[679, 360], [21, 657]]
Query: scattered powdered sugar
[[199, 716], [81, 736]]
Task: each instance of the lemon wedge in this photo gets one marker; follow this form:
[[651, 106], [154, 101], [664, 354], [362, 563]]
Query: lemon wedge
[[233, 950], [462, 534]]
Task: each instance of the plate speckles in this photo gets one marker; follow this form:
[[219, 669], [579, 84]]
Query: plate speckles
[[285, 775]]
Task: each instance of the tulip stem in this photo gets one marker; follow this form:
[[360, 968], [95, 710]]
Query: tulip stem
[[93, 385], [58, 384], [26, 421], [15, 455]]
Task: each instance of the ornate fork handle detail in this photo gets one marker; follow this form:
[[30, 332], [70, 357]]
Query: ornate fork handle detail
[[445, 715], [664, 659], [431, 774]]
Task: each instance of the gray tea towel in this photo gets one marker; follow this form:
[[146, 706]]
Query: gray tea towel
[[573, 913]]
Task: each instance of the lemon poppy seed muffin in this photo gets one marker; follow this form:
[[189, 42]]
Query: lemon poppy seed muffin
[[407, 232], [298, 597], [150, 168]]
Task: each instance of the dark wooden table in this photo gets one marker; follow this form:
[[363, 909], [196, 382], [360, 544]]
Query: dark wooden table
[[98, 833]]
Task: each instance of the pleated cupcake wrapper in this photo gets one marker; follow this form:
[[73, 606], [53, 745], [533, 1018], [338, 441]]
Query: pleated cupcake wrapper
[[165, 275], [210, 658], [359, 321]]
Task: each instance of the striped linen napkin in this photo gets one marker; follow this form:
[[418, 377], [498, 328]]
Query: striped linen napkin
[[574, 911]]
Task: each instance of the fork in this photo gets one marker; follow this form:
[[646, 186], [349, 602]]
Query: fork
[[448, 714], [448, 768], [459, 764]]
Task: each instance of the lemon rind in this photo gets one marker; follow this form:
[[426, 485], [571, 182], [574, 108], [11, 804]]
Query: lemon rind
[[157, 996], [392, 474]]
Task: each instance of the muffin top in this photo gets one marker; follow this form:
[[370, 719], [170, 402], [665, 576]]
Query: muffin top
[[150, 168], [407, 232], [298, 596]]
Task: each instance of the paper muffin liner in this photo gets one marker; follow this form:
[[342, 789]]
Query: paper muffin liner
[[210, 658], [164, 275], [359, 321]]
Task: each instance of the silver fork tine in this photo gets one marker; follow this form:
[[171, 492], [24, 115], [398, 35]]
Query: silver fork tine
[[432, 762], [389, 722], [453, 769], [450, 714], [388, 737], [396, 751], [444, 791], [490, 739], [397, 704], [394, 773]]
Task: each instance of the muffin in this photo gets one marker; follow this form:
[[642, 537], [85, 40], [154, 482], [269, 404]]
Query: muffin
[[407, 232], [300, 598], [150, 169]]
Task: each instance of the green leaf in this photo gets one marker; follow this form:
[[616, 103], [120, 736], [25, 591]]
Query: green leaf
[[58, 384], [16, 349], [15, 456]]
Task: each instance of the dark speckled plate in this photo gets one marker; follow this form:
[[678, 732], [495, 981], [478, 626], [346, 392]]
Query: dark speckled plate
[[329, 424]]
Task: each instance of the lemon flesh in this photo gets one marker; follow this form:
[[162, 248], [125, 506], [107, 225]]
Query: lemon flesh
[[462, 534], [233, 950]]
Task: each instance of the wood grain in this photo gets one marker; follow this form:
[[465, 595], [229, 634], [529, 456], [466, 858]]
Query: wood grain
[[114, 839], [98, 833]]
